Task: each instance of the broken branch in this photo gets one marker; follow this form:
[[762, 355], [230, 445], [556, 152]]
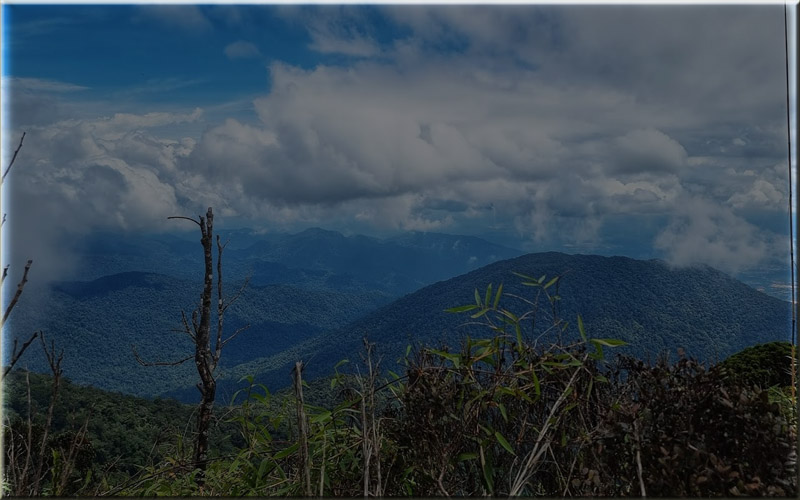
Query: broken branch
[[157, 363], [20, 286], [13, 157]]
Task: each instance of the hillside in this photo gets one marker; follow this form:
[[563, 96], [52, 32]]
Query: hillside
[[112, 416], [646, 303], [97, 321]]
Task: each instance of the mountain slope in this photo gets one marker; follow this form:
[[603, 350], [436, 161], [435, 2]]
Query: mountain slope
[[96, 323], [654, 307]]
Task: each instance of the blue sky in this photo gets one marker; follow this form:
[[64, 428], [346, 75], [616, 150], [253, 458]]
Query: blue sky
[[643, 131]]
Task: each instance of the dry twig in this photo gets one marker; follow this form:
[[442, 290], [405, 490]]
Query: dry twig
[[13, 157]]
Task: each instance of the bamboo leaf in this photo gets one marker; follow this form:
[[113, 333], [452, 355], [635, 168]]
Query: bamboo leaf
[[287, 451], [504, 443], [580, 328], [497, 296], [610, 342], [322, 417], [479, 313], [550, 283], [488, 475], [536, 388], [461, 309], [502, 408]]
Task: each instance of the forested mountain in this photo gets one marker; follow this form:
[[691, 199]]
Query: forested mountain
[[314, 258], [315, 294], [97, 322], [132, 291], [648, 304]]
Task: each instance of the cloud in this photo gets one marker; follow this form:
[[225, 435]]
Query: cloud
[[39, 85], [760, 194], [646, 151], [344, 30], [76, 176], [553, 117], [704, 232], [29, 101], [402, 212], [161, 85], [355, 46], [241, 49], [555, 159], [189, 18], [128, 121]]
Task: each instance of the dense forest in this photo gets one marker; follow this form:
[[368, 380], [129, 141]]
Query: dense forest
[[500, 416]]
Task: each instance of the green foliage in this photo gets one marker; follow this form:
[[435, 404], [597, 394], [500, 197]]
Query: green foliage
[[534, 407], [764, 364], [124, 432], [695, 434]]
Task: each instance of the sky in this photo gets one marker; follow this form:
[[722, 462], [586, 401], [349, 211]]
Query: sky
[[647, 131]]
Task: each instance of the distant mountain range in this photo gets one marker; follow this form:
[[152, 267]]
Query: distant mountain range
[[314, 258], [315, 294], [301, 285]]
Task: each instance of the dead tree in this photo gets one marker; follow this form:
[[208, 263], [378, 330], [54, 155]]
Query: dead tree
[[20, 286], [199, 331]]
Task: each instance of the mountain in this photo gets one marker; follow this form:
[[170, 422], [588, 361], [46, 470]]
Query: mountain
[[398, 265], [96, 323], [134, 287], [654, 307], [313, 296], [314, 258]]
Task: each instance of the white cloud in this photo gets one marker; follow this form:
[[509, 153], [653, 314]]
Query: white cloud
[[189, 18], [554, 118], [76, 176], [342, 29], [161, 85], [241, 49], [761, 194], [646, 151], [708, 233], [328, 43], [39, 85], [129, 121], [375, 136]]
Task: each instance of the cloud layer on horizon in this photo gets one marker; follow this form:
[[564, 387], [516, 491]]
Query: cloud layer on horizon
[[544, 122]]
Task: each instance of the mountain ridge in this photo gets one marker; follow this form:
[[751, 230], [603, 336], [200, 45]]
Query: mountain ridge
[[673, 308]]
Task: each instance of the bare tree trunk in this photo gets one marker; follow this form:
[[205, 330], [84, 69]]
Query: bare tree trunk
[[55, 367], [205, 359], [302, 428], [202, 354]]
